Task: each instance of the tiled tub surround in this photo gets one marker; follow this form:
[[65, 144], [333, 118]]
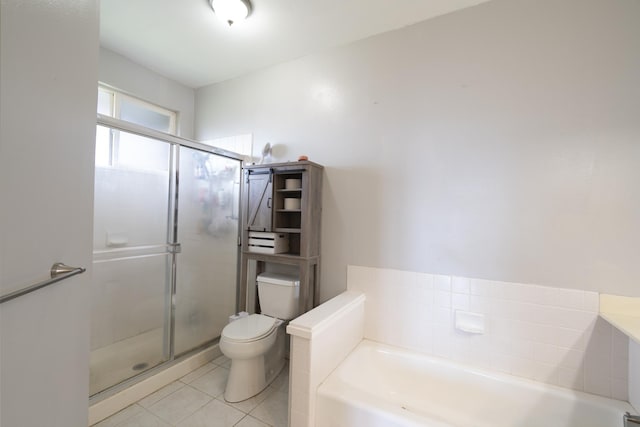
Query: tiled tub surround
[[551, 335], [321, 338]]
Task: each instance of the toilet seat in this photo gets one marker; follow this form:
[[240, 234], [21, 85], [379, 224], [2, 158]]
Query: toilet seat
[[251, 328]]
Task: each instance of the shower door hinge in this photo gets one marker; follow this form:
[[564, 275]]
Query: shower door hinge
[[175, 248]]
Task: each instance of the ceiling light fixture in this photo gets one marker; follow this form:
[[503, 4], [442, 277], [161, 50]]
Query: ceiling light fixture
[[231, 11]]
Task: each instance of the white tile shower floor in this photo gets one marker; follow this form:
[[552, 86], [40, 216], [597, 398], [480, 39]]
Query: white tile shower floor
[[196, 400]]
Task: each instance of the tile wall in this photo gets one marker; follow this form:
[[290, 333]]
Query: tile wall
[[634, 375], [321, 339], [552, 335]]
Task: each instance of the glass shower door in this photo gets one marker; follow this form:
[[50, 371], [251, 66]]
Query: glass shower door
[[133, 257], [208, 203]]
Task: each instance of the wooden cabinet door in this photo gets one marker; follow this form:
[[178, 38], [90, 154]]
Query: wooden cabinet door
[[259, 200]]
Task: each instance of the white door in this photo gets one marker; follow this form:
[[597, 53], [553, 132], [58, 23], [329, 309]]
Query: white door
[[48, 89]]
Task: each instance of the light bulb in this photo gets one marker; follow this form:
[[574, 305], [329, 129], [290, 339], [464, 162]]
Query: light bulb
[[230, 11]]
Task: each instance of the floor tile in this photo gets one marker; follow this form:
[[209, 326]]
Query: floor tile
[[223, 361], [144, 419], [180, 404], [214, 414], [249, 421], [119, 417], [281, 382], [250, 404], [160, 394], [213, 382], [273, 410], [194, 375]]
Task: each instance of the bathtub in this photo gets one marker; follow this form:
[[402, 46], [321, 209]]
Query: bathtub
[[382, 386]]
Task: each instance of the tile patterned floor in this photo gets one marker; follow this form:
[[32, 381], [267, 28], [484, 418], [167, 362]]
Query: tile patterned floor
[[196, 400]]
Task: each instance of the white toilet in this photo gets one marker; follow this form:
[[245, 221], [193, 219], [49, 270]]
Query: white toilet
[[256, 344]]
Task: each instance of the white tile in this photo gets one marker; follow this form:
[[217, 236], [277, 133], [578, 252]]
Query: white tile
[[460, 285], [213, 382], [572, 378], [120, 417], [620, 389], [619, 369], [538, 333], [597, 383], [222, 361], [273, 410], [500, 362], [547, 353], [160, 394], [571, 338], [299, 419], [591, 302], [194, 375], [281, 382], [460, 302], [214, 414], [515, 292], [180, 404], [442, 283], [249, 421], [619, 344], [304, 387], [634, 374], [521, 349], [479, 304], [569, 298], [425, 281], [300, 353], [144, 419], [574, 319], [300, 401], [250, 404], [442, 299], [571, 358], [443, 316], [523, 367]]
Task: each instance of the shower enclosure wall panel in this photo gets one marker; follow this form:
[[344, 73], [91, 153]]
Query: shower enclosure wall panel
[[208, 231], [165, 252], [132, 261]]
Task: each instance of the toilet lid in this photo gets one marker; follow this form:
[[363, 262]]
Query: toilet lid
[[249, 328]]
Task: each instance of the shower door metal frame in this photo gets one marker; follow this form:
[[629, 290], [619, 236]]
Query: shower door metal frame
[[175, 142]]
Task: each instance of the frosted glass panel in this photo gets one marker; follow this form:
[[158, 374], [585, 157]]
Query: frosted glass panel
[[145, 154], [130, 309], [131, 207], [208, 233], [129, 301], [141, 114]]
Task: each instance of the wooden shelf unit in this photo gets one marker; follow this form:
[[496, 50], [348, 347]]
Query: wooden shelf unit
[[263, 200]]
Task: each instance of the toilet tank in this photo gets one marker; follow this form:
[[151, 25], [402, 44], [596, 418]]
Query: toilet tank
[[278, 295]]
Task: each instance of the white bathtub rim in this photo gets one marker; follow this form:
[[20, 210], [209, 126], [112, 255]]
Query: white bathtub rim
[[496, 375], [342, 386]]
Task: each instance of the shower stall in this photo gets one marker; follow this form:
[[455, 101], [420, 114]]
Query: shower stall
[[165, 262]]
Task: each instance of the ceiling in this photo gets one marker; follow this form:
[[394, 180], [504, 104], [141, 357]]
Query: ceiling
[[184, 41]]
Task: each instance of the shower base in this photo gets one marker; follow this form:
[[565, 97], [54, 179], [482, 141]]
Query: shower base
[[124, 359]]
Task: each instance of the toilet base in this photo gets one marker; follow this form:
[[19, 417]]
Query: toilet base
[[248, 377]]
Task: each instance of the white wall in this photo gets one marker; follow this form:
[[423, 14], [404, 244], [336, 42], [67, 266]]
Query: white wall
[[130, 77], [48, 77], [497, 142]]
